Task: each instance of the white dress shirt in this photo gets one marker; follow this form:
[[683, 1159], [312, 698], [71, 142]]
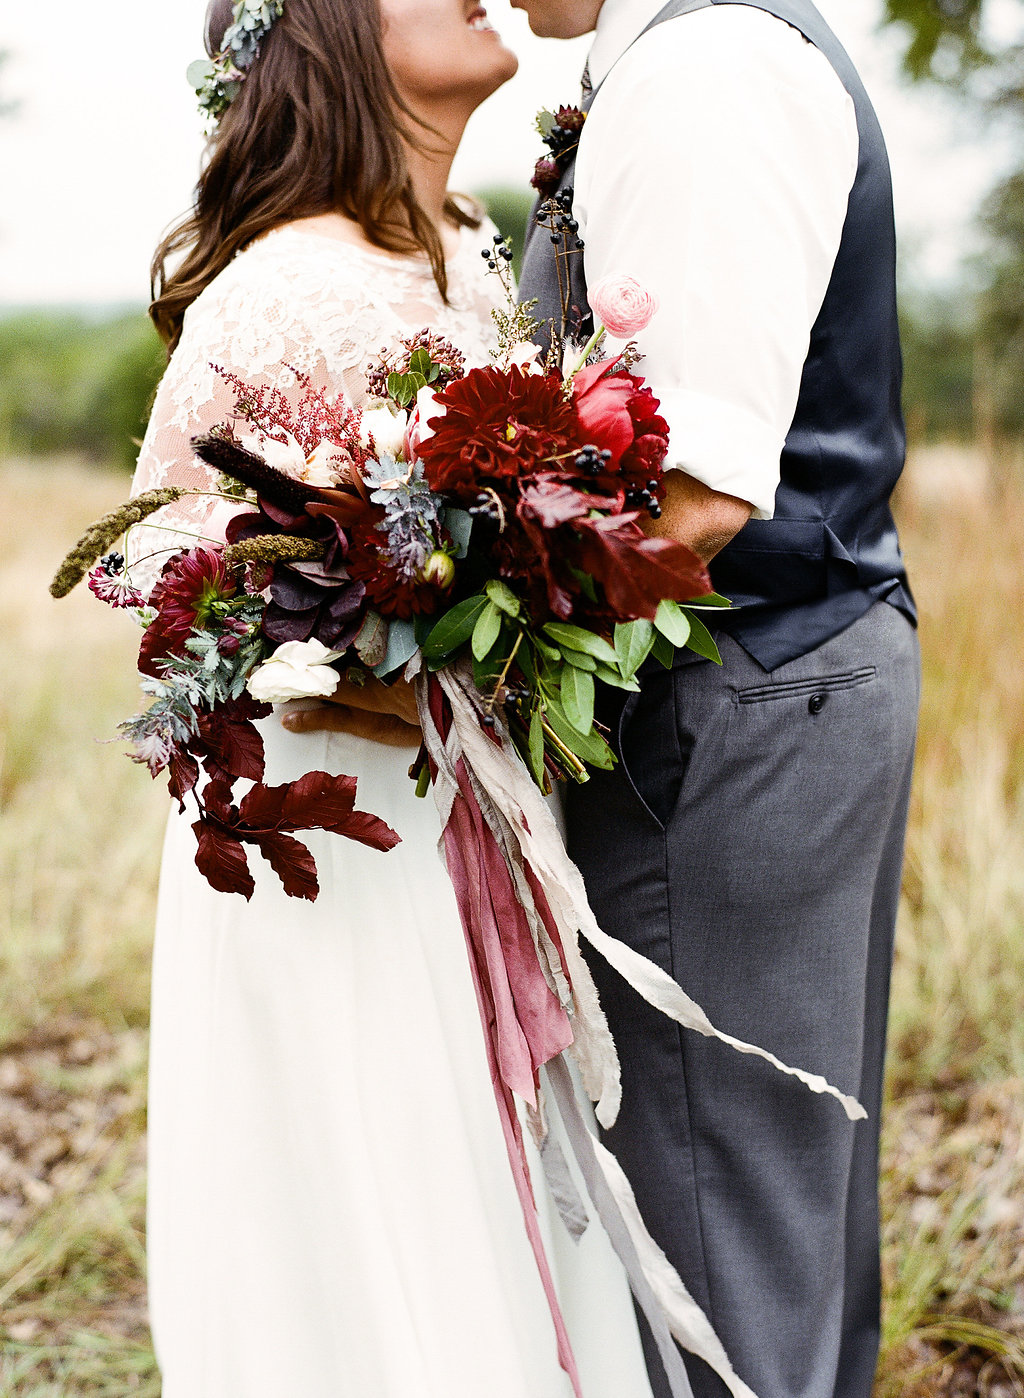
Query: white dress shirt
[[715, 167]]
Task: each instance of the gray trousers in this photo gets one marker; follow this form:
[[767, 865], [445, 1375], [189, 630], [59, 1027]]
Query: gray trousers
[[751, 843]]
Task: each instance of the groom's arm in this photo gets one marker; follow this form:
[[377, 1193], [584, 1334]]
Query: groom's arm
[[715, 167], [694, 514]]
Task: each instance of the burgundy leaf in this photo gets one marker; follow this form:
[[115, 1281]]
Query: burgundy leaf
[[182, 775], [552, 501], [222, 861], [636, 572], [282, 626], [216, 797], [369, 830], [287, 519], [318, 801], [294, 593], [233, 744], [293, 864], [343, 511]]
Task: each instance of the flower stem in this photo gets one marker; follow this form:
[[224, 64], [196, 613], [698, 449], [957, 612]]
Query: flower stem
[[588, 350]]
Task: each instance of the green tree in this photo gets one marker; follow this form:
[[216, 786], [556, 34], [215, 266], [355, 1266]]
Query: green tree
[[949, 42]]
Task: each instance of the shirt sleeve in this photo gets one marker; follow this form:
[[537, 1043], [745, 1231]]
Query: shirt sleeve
[[716, 167]]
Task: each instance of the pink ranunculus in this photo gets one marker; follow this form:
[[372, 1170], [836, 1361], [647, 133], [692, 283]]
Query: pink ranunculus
[[622, 305]]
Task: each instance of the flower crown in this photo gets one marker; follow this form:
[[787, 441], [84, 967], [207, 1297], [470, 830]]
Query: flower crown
[[218, 81]]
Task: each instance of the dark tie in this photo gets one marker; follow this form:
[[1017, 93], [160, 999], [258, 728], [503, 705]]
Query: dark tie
[[585, 83]]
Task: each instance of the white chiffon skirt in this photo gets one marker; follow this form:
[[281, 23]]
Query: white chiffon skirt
[[331, 1209]]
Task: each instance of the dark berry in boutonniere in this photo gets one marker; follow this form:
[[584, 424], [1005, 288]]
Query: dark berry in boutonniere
[[560, 132]]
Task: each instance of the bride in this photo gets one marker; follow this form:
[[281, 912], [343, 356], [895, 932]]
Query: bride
[[331, 1210]]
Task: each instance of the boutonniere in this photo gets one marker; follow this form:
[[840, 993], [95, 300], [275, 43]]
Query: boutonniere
[[560, 132]]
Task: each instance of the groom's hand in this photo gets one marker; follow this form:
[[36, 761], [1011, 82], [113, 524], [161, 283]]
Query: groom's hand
[[694, 514], [383, 713]]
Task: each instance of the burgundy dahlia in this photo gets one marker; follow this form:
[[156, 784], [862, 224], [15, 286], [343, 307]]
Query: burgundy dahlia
[[498, 425], [184, 597]]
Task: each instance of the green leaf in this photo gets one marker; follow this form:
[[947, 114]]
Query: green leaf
[[546, 122], [537, 748], [606, 674], [578, 639], [403, 388], [199, 72], [672, 622], [485, 673], [420, 362], [503, 597], [663, 651], [549, 652], [525, 662], [578, 660], [633, 642], [486, 632], [459, 524], [589, 747], [702, 641], [372, 642], [710, 599], [586, 583], [578, 698], [454, 628], [401, 647]]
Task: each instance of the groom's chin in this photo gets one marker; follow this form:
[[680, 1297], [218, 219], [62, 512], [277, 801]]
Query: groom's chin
[[560, 19]]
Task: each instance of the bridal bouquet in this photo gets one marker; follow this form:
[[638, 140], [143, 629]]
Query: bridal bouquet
[[477, 533], [484, 523]]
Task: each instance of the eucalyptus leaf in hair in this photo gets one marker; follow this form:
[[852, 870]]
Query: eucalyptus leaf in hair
[[218, 81]]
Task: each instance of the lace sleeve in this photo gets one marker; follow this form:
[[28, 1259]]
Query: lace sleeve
[[259, 331], [291, 303]]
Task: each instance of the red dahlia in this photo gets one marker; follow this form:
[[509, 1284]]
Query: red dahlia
[[389, 591], [498, 425], [189, 586]]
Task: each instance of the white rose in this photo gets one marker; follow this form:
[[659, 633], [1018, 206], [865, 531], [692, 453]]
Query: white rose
[[386, 428], [296, 670]]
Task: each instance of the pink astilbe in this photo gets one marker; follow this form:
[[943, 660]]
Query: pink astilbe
[[314, 419]]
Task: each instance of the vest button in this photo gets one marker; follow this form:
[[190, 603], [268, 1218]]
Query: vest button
[[816, 703]]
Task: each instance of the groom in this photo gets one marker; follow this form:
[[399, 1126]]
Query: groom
[[750, 841]]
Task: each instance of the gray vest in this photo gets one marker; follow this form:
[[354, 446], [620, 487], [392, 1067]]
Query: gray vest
[[831, 549]]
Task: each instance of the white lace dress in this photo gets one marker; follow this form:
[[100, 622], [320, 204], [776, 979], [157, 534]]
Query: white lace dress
[[331, 1210]]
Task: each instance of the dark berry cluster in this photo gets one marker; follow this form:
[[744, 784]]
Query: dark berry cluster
[[500, 250], [591, 462], [112, 564], [646, 499], [555, 214]]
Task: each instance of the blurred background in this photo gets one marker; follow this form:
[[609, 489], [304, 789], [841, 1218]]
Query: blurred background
[[100, 144]]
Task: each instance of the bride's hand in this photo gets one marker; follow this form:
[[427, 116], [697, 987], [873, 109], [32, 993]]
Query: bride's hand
[[383, 713]]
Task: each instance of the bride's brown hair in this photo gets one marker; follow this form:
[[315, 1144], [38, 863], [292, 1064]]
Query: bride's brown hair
[[318, 127]]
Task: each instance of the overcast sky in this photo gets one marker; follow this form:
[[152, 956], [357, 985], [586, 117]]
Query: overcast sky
[[104, 150]]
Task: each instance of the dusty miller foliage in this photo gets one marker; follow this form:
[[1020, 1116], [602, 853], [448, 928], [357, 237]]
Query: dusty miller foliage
[[411, 512]]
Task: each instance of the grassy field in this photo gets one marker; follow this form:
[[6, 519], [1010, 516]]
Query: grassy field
[[79, 841]]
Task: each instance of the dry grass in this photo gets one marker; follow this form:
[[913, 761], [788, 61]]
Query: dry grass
[[79, 842], [79, 839]]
